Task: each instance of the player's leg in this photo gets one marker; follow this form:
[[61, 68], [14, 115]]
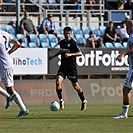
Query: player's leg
[[59, 80], [126, 96], [2, 91], [5, 94], [78, 88], [9, 84]]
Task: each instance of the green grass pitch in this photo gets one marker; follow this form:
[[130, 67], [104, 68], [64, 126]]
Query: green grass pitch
[[97, 118]]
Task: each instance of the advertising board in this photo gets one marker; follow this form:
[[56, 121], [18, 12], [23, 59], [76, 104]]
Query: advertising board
[[94, 61], [30, 61]]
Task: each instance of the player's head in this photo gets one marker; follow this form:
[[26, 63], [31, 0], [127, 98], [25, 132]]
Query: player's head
[[67, 32]]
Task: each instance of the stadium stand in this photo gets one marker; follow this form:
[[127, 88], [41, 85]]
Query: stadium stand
[[59, 29], [95, 31], [33, 45], [10, 29], [53, 40], [102, 30], [118, 45], [80, 39], [125, 44], [76, 30], [44, 41], [109, 45], [2, 27], [85, 31], [34, 41], [24, 40]]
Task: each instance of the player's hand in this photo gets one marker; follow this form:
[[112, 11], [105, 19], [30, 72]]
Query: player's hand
[[67, 55], [119, 57], [51, 57]]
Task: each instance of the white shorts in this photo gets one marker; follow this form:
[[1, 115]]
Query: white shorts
[[129, 79], [6, 76]]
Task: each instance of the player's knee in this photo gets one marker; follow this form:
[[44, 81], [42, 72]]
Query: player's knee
[[58, 83]]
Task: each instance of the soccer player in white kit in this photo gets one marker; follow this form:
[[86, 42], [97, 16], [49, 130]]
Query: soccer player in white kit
[[128, 84], [6, 72]]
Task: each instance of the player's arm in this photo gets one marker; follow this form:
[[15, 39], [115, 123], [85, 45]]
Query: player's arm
[[73, 54], [15, 46], [55, 55], [127, 52], [77, 51]]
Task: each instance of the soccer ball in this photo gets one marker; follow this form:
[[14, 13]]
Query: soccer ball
[[54, 106]]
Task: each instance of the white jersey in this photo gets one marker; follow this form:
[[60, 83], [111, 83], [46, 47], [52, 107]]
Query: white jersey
[[130, 46], [5, 60], [123, 32]]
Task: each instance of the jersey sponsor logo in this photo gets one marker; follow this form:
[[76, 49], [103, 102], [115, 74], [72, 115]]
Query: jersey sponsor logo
[[68, 45]]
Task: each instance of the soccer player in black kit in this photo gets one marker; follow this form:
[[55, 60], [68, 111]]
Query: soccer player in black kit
[[68, 50]]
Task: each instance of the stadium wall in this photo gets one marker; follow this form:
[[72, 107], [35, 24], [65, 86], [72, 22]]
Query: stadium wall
[[95, 90]]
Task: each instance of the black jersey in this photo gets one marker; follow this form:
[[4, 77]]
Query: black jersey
[[70, 62]]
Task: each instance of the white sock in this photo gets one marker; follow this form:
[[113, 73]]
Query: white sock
[[19, 101], [4, 92], [125, 109]]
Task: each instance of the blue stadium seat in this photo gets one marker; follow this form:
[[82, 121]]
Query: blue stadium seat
[[103, 46], [10, 29], [125, 44], [53, 40], [2, 28], [73, 37], [33, 45], [76, 30], [109, 45], [24, 40], [44, 41], [33, 38], [118, 45], [96, 31], [59, 29], [102, 30], [80, 39], [61, 35], [85, 31], [14, 37]]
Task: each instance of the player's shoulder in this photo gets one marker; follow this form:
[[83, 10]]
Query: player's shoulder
[[72, 40]]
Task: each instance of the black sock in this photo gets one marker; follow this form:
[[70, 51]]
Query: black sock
[[81, 95], [59, 93]]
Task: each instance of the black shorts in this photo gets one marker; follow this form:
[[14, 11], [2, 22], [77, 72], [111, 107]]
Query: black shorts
[[70, 74]]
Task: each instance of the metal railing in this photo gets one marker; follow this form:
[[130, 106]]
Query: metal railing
[[61, 15]]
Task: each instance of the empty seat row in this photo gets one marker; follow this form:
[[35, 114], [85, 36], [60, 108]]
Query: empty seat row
[[33, 41], [114, 45]]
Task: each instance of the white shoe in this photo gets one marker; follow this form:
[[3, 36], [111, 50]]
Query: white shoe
[[120, 116], [84, 105], [62, 104]]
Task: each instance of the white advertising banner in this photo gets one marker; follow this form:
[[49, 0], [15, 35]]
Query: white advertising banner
[[30, 61]]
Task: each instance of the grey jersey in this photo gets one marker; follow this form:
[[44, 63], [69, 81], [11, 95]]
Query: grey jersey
[[5, 60]]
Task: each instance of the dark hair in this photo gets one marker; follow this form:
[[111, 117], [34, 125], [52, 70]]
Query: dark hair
[[68, 28], [122, 22], [90, 32], [110, 22]]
